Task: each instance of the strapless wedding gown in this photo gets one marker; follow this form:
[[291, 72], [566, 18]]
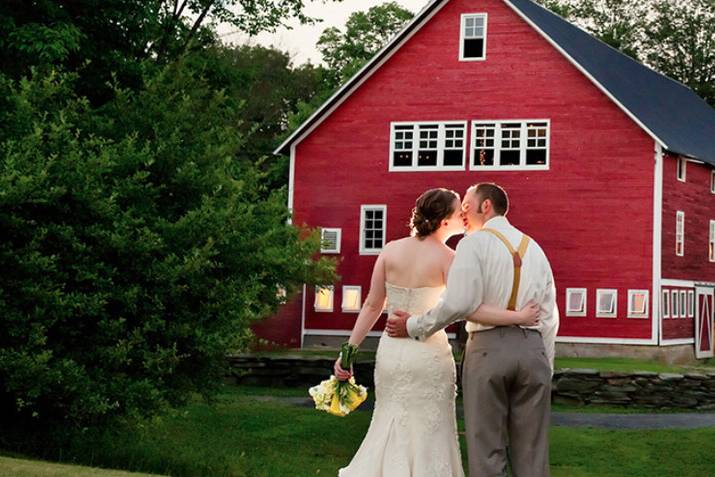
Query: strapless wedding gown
[[413, 432]]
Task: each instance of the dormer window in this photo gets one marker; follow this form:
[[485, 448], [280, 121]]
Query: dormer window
[[473, 38]]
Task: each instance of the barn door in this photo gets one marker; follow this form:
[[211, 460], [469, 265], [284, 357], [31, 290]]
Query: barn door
[[704, 322]]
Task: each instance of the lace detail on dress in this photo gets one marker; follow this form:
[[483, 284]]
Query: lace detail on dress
[[413, 431]]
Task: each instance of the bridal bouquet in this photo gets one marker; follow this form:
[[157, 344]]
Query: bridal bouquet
[[336, 397]]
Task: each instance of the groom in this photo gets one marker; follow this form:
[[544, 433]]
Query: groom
[[506, 375]]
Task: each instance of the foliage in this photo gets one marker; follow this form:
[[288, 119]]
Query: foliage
[[137, 250], [365, 34]]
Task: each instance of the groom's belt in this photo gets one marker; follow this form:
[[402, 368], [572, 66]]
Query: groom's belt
[[501, 329]]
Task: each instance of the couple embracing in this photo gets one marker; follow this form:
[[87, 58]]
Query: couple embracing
[[500, 282]]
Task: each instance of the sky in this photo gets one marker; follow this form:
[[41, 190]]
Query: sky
[[300, 41]]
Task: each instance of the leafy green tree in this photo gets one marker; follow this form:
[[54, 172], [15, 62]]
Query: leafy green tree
[[679, 41], [345, 52], [119, 40], [136, 249]]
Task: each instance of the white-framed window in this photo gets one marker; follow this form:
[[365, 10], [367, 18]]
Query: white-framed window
[[428, 146], [606, 303], [680, 233], [510, 145], [683, 303], [330, 240], [373, 224], [473, 37], [675, 304], [711, 242], [637, 303], [665, 304], [681, 169], [691, 303], [575, 302], [324, 298], [712, 181], [352, 298]]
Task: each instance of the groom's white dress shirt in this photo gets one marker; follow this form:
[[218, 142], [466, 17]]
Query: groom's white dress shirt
[[483, 272]]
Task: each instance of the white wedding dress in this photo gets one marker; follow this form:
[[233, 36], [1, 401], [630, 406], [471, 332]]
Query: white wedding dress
[[413, 432]]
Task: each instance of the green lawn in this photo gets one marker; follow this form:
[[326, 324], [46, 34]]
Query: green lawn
[[35, 468], [240, 436]]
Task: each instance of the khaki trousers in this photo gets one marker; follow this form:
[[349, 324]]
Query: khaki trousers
[[506, 381]]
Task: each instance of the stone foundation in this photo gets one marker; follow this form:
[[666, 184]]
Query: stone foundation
[[570, 386], [679, 354]]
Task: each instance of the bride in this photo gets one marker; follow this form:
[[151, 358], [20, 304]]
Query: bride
[[413, 432]]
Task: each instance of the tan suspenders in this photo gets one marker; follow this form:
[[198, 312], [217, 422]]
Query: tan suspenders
[[518, 255]]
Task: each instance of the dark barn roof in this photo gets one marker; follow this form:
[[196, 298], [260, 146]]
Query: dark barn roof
[[671, 113]]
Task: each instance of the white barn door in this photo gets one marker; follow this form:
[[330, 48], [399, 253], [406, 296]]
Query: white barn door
[[704, 322]]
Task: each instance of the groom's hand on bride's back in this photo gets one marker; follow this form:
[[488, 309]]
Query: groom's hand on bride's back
[[397, 324]]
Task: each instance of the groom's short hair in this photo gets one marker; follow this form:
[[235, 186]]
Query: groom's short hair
[[497, 196]]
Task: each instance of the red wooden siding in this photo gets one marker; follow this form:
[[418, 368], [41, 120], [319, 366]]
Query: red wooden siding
[[679, 327], [284, 327], [695, 199], [591, 212]]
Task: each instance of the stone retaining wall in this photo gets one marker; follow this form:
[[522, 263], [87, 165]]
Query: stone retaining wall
[[570, 386]]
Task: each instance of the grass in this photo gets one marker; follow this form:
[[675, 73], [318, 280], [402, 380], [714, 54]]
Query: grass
[[33, 468], [240, 436]]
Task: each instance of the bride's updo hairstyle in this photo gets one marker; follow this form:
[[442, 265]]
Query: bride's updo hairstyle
[[431, 208]]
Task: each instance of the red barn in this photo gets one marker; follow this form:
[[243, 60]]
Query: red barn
[[608, 164]]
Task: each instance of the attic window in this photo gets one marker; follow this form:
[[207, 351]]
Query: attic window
[[473, 38], [681, 169]]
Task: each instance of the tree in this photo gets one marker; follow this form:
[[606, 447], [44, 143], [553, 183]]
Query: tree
[[119, 40], [137, 250], [365, 34], [679, 41]]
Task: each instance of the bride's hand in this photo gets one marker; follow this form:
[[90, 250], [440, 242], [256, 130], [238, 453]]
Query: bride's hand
[[340, 373], [529, 315]]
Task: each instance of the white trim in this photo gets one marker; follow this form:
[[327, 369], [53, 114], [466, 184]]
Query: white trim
[[463, 17], [675, 304], [677, 341], [668, 282], [322, 332], [665, 299], [585, 340], [363, 209], [605, 314], [497, 145], [569, 291], [302, 316], [329, 309], [338, 240], [681, 165], [712, 181], [680, 232], [657, 261], [711, 242], [359, 290], [441, 139], [683, 297], [369, 68], [586, 73], [291, 183], [631, 296], [690, 298]]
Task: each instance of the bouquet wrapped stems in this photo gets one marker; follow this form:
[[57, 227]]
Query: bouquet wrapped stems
[[336, 397]]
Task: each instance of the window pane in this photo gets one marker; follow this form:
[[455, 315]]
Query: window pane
[[484, 157], [510, 158], [427, 158], [453, 158], [474, 48], [575, 301], [535, 157]]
